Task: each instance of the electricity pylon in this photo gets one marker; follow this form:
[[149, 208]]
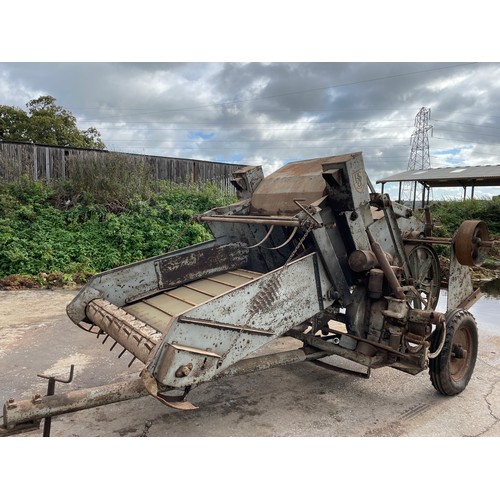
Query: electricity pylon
[[419, 154]]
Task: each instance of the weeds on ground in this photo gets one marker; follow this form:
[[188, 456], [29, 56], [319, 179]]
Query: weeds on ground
[[96, 221]]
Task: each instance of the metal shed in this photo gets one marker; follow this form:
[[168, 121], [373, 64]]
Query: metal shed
[[472, 176]]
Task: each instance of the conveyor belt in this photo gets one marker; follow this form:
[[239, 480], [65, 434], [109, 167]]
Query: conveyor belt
[[158, 310]]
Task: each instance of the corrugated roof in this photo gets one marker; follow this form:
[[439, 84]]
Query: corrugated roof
[[483, 175]]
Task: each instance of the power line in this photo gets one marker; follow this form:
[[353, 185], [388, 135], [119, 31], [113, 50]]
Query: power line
[[210, 127], [295, 92], [466, 124], [243, 140], [464, 140]]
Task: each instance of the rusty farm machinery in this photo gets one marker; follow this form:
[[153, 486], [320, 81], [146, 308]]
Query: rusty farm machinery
[[311, 252]]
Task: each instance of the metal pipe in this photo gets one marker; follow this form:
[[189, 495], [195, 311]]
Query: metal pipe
[[17, 412], [433, 240], [51, 389], [386, 267], [243, 219], [443, 241], [48, 421]]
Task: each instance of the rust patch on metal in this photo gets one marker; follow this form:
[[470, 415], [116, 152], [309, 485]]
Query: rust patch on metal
[[132, 334], [266, 297], [303, 180], [176, 270]]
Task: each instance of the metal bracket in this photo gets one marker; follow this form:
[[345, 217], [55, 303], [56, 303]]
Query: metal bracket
[[339, 369], [315, 222]]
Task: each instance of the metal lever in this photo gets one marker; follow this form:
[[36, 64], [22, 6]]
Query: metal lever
[[306, 212], [50, 392]]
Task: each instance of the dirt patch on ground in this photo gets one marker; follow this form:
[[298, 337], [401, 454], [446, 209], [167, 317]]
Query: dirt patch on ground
[[21, 307], [43, 280]]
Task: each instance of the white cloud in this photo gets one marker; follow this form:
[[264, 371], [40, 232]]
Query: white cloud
[[271, 113]]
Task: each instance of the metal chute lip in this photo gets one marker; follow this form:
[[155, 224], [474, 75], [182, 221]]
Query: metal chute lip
[[195, 350]]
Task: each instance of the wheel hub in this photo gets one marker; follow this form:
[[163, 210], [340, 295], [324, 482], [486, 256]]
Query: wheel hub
[[458, 351]]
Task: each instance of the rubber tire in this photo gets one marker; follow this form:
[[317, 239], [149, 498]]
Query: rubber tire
[[440, 367]]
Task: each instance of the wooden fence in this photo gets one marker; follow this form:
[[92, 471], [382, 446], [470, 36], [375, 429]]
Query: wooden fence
[[39, 161]]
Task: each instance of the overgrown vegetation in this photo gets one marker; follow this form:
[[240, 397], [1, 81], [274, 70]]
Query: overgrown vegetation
[[111, 181], [106, 215], [111, 212], [450, 214]]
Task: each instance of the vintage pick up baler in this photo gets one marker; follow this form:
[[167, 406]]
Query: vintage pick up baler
[[310, 252]]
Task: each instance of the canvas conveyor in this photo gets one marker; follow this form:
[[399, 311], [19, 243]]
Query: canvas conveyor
[[157, 310], [138, 327]]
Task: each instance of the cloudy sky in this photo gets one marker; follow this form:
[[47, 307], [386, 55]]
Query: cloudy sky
[[270, 113]]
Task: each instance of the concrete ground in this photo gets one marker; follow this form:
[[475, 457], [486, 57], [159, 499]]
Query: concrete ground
[[36, 337]]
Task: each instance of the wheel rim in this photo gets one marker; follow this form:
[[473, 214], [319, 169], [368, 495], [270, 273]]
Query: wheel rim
[[461, 354]]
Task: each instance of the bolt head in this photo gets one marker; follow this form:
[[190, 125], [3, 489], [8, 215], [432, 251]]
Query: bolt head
[[184, 370]]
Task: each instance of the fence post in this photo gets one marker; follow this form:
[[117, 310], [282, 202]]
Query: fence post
[[63, 167], [47, 164], [35, 163]]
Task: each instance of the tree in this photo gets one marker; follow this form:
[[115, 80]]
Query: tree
[[13, 124], [46, 123]]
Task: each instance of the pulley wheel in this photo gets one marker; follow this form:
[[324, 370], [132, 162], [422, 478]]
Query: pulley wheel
[[426, 275], [426, 278], [467, 242]]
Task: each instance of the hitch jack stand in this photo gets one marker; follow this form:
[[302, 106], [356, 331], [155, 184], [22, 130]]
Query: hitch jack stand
[[50, 392]]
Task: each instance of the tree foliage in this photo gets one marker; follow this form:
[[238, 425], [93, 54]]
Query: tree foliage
[[46, 123]]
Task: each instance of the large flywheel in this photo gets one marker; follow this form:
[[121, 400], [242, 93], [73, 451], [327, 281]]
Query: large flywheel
[[426, 276]]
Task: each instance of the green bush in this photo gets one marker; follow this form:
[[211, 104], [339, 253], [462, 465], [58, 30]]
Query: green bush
[[79, 227], [450, 214]]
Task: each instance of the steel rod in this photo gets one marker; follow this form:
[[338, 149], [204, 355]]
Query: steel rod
[[386, 267], [444, 241], [16, 412], [242, 219]]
